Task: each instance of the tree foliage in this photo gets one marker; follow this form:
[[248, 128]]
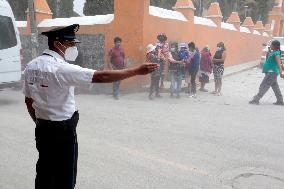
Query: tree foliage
[[98, 7], [19, 8], [257, 9], [61, 8]]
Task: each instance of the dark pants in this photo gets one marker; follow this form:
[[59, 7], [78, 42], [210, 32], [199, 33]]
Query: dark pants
[[270, 80], [116, 88], [57, 146], [192, 76], [116, 84], [155, 87]]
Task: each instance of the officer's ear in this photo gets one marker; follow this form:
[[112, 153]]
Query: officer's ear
[[57, 45]]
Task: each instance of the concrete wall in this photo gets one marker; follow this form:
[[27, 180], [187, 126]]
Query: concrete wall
[[91, 50]]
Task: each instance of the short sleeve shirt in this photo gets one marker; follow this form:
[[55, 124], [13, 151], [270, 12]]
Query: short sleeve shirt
[[271, 65], [50, 81], [117, 57]]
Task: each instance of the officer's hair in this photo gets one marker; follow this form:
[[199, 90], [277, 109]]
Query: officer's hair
[[51, 43], [117, 39]]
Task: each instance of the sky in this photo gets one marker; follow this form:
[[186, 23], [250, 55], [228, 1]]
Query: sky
[[79, 6]]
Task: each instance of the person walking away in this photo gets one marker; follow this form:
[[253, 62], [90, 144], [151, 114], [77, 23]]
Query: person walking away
[[193, 68], [271, 68], [164, 47], [154, 56], [49, 82], [218, 67], [206, 66], [116, 62], [176, 67]]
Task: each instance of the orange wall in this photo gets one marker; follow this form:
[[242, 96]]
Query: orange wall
[[241, 47]]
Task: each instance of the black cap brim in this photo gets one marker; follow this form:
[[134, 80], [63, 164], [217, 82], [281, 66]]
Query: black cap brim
[[64, 33]]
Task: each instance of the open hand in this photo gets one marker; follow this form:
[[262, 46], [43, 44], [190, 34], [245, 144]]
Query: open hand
[[147, 68]]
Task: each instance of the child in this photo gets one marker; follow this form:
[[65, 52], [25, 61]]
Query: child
[[272, 68], [153, 56]]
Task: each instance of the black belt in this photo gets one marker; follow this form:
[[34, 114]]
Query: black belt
[[69, 124]]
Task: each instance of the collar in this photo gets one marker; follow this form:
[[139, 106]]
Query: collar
[[54, 54]]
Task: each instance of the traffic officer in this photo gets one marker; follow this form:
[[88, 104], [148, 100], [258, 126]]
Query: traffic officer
[[49, 97]]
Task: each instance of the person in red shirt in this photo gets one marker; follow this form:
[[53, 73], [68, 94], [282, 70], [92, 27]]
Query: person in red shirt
[[116, 62]]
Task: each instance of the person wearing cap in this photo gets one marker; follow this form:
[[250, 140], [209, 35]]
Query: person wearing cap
[[49, 82], [116, 62]]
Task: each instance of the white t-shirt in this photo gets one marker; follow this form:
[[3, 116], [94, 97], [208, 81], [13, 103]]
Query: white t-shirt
[[50, 81]]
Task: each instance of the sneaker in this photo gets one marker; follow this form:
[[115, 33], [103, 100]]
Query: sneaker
[[115, 98], [254, 102], [192, 95], [151, 97], [279, 103], [218, 94], [203, 90], [158, 96]]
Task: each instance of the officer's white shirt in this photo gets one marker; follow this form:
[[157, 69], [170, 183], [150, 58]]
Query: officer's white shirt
[[50, 81]]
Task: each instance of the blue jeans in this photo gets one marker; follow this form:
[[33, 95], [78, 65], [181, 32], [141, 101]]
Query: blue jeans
[[176, 80]]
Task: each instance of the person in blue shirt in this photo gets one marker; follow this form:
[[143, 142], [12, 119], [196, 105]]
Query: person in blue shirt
[[271, 68], [193, 68]]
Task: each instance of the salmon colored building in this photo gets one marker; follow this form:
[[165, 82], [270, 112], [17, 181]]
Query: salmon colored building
[[138, 24]]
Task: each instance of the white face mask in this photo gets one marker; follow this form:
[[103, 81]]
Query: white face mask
[[71, 53], [219, 48]]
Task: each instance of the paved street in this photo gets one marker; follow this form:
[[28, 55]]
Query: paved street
[[205, 143]]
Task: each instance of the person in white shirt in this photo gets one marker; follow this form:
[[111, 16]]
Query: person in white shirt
[[49, 82]]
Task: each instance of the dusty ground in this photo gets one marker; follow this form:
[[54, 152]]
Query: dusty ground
[[209, 142]]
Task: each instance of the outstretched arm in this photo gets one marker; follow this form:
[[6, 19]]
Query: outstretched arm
[[31, 110], [110, 76], [278, 60]]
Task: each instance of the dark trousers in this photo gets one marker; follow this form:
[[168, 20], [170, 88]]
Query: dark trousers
[[270, 80], [57, 146], [116, 84], [192, 76], [116, 88], [155, 85]]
